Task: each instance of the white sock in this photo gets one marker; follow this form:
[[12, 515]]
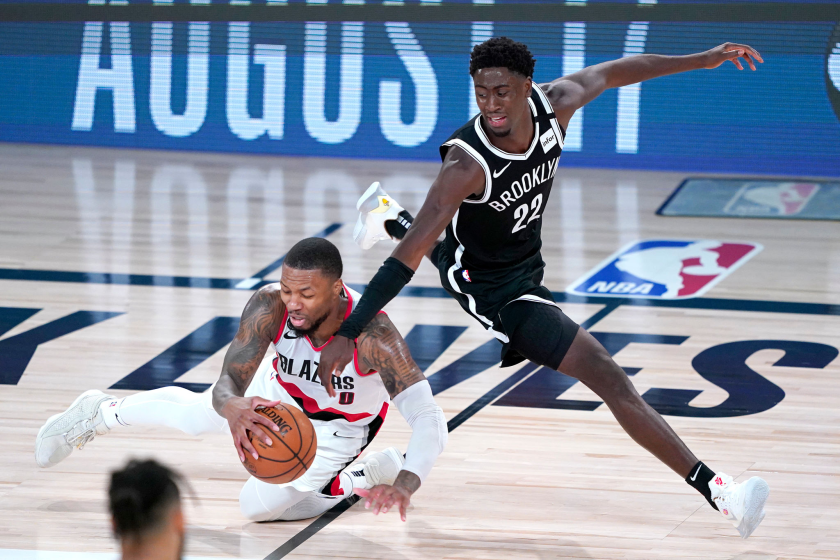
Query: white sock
[[173, 407], [110, 416]]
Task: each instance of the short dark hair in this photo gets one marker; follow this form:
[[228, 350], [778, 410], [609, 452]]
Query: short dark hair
[[315, 253], [501, 52], [140, 495]]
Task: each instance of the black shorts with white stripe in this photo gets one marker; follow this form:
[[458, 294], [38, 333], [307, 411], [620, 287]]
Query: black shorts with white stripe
[[513, 305]]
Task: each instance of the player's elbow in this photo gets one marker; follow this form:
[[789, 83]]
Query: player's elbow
[[443, 431], [435, 417]]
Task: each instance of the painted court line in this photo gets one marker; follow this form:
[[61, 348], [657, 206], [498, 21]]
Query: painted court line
[[253, 282], [761, 306]]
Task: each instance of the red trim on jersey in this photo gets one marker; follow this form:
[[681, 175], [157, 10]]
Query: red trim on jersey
[[356, 365], [346, 314], [335, 487], [349, 300], [382, 413], [282, 327], [310, 405]]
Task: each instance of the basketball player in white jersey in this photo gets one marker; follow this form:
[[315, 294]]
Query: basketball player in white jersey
[[298, 316]]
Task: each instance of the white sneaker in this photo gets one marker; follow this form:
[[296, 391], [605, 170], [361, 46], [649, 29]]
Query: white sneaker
[[381, 467], [742, 503], [74, 427], [375, 208]]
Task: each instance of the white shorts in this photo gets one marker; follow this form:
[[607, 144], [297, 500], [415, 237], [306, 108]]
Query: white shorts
[[338, 443]]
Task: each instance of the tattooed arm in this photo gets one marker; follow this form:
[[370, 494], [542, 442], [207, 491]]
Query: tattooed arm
[[259, 324], [381, 348]]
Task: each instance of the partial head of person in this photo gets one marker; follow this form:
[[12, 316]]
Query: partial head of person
[[310, 284], [502, 71], [145, 504]]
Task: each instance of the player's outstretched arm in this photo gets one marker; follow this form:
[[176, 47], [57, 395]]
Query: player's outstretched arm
[[382, 348], [459, 177], [259, 324], [570, 93]]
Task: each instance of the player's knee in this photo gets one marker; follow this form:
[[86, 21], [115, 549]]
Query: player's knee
[[608, 379], [251, 505]]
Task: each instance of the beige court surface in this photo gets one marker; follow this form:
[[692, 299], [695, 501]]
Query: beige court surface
[[517, 481]]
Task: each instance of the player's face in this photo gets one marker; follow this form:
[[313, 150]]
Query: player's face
[[310, 297], [502, 98]]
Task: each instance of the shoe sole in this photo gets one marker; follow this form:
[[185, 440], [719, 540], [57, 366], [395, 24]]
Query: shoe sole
[[51, 420], [754, 508], [371, 191]]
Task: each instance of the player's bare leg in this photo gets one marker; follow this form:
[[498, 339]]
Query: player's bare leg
[[589, 362]]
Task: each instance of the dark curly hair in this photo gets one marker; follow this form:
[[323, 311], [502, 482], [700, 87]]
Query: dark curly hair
[[315, 253], [140, 496], [501, 52]]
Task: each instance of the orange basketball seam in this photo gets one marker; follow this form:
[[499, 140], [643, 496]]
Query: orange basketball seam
[[300, 439]]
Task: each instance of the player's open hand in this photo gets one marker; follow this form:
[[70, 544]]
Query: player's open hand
[[733, 52], [385, 497], [334, 358], [242, 419]]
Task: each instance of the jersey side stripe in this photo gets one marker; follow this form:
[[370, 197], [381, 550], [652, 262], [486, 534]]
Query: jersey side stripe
[[535, 299], [552, 117], [488, 181], [450, 274]]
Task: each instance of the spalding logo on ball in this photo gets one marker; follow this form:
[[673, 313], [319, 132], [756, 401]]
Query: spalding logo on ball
[[292, 448]]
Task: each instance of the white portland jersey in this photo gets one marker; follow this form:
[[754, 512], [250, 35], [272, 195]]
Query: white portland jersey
[[361, 398]]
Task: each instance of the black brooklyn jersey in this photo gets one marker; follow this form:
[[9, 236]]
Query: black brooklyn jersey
[[501, 228]]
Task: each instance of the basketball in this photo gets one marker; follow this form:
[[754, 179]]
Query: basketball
[[292, 448]]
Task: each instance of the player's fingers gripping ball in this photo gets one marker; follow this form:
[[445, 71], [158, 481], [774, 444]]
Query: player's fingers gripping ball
[[292, 448]]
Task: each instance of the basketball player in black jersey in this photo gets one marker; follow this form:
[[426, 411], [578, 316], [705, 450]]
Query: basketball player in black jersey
[[489, 197]]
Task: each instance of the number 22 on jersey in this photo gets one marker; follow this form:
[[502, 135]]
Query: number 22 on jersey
[[522, 211]]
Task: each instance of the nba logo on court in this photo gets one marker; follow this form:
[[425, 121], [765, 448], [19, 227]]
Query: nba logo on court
[[664, 269], [767, 199]]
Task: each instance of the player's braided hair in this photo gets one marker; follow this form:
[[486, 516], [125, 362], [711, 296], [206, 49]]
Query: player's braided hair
[[140, 496], [501, 52], [315, 253]]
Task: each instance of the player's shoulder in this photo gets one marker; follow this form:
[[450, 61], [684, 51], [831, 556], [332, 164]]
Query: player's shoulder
[[559, 92], [269, 291], [465, 134], [375, 343], [378, 327], [266, 300]]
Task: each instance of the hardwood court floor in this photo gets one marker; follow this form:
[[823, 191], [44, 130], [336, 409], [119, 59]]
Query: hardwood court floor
[[528, 477]]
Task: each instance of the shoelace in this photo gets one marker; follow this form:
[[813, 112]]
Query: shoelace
[[78, 441]]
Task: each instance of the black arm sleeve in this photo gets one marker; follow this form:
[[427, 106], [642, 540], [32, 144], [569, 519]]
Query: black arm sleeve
[[392, 276]]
